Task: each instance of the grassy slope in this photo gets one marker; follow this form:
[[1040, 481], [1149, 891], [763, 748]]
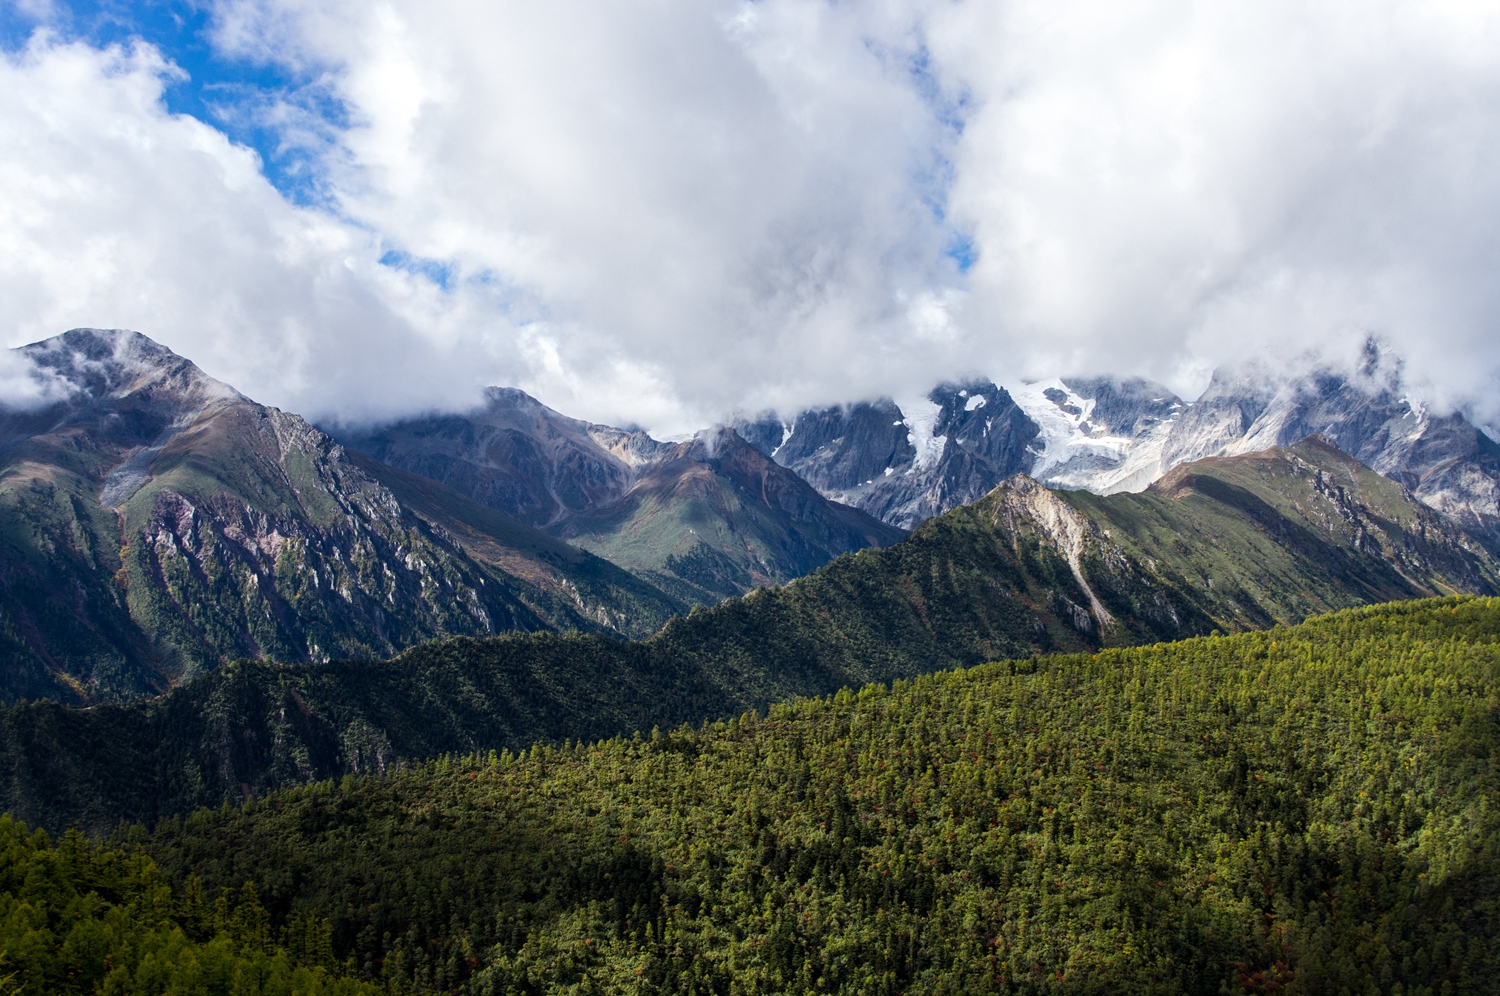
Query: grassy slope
[[719, 522], [1270, 537], [1305, 810], [566, 580], [65, 627], [235, 548]]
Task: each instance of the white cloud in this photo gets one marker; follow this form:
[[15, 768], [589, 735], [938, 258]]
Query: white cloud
[[114, 213], [726, 193], [660, 212], [1167, 181]]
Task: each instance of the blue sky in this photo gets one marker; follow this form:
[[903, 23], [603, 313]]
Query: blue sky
[[229, 93]]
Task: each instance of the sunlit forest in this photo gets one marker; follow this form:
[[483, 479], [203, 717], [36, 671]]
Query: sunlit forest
[[1309, 809]]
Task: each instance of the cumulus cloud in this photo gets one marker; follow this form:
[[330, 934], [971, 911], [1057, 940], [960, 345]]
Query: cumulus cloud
[[115, 213], [660, 213]]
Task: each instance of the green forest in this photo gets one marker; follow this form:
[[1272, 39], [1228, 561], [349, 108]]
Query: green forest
[[980, 583], [1306, 809], [79, 918]]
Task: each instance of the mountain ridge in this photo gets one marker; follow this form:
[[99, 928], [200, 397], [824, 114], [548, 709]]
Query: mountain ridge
[[1275, 537], [692, 521], [235, 530]]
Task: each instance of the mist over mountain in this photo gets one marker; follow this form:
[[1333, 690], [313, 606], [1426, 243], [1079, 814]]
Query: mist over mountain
[[1109, 434]]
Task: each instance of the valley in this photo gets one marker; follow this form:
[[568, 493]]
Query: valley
[[503, 701]]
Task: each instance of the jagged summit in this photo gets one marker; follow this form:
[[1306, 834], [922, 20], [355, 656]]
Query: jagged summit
[[94, 364], [906, 461]]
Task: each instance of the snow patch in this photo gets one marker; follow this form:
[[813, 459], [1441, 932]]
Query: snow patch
[[977, 401], [920, 419], [1076, 453], [1065, 434], [786, 433]]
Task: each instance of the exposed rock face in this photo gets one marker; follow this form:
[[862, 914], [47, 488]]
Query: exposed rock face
[[1061, 526], [161, 523], [515, 454], [906, 462]]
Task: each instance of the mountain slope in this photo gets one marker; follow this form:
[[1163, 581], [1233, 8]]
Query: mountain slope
[[1445, 460], [1229, 544], [908, 462], [705, 519], [515, 454], [156, 523], [1304, 810], [1107, 435], [713, 517]]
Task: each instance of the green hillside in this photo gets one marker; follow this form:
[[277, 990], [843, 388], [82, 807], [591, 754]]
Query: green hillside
[[157, 524], [1004, 578], [715, 517], [1308, 809]]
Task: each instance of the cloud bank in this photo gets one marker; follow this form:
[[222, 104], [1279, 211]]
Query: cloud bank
[[661, 213]]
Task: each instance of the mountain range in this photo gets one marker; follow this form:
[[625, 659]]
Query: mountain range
[[1222, 544], [382, 696], [906, 461], [158, 523], [702, 519]]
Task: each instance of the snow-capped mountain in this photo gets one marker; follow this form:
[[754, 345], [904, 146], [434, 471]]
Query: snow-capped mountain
[[1099, 434], [904, 460], [1445, 460]]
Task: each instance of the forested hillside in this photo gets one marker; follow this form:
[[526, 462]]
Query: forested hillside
[[1308, 809], [1233, 544], [80, 918]]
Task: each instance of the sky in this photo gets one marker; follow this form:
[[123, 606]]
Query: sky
[[664, 212]]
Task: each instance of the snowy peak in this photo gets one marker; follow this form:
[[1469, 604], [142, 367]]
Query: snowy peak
[[1099, 434], [904, 460], [1444, 460]]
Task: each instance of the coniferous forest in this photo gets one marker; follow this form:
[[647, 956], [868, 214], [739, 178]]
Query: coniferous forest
[[1306, 809]]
